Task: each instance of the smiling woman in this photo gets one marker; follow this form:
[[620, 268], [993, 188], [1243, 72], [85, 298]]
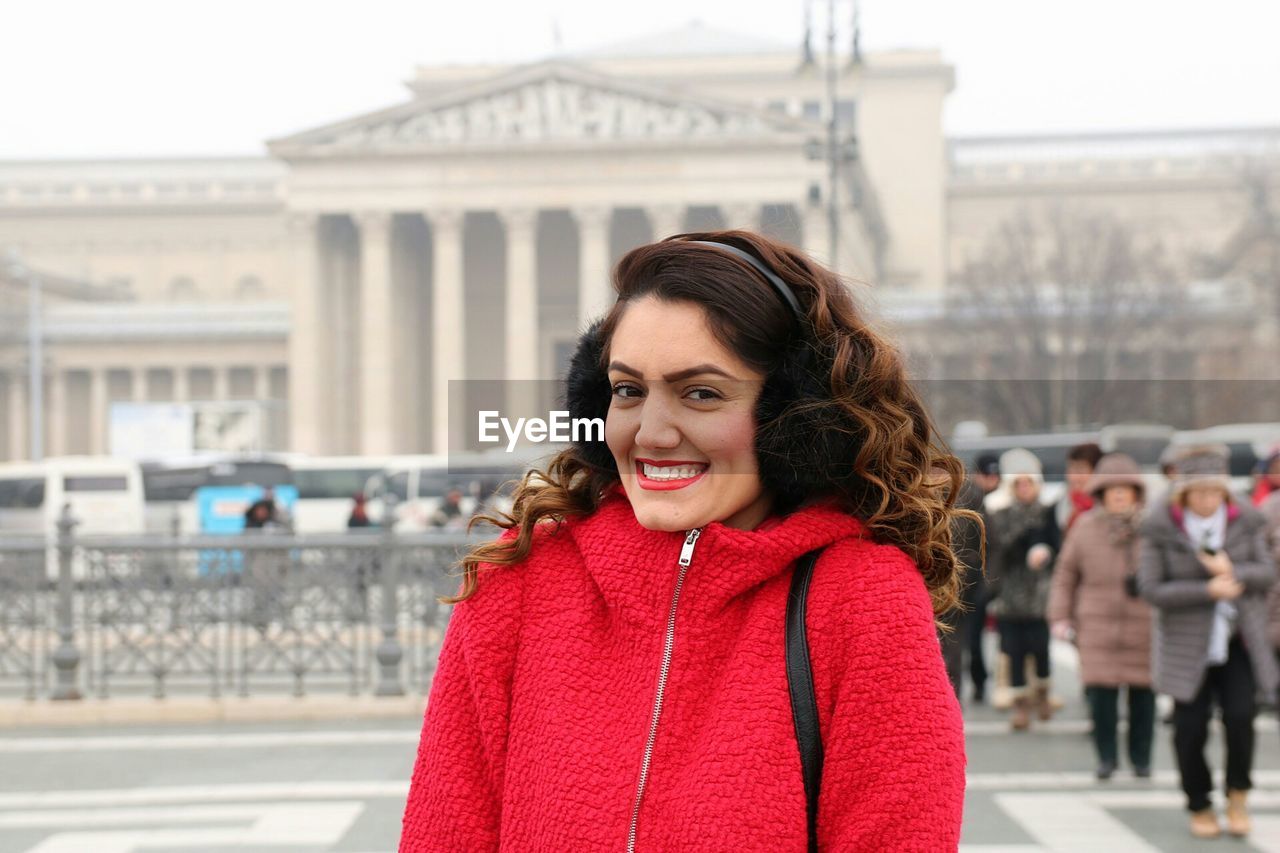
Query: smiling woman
[[619, 658]]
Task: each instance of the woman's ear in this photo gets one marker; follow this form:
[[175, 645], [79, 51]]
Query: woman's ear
[[587, 394], [806, 444]]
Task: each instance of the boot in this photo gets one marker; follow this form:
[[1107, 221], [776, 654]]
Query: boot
[[1204, 824], [1237, 815], [1044, 707], [1020, 721], [1001, 695]]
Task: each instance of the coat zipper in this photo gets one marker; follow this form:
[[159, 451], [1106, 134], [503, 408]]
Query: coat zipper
[[686, 557]]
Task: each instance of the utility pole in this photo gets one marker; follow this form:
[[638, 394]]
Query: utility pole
[[833, 154]]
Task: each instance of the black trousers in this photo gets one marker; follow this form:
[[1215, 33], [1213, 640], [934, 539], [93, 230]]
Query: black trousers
[[952, 643], [1103, 705], [1020, 638], [1231, 687], [975, 623]]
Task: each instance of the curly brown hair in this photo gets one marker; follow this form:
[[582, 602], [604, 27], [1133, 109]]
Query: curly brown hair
[[903, 482]]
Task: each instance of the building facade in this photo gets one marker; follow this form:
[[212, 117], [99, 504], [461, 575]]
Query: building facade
[[468, 233]]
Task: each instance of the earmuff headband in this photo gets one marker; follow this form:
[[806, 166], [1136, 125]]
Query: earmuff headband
[[778, 284]]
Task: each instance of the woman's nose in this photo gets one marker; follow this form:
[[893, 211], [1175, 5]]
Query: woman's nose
[[658, 428]]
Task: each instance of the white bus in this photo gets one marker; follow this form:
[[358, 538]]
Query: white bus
[[327, 486], [418, 484], [170, 486], [104, 495]]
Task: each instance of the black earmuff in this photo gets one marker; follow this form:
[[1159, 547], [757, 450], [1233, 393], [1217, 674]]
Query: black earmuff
[[806, 443], [587, 395]]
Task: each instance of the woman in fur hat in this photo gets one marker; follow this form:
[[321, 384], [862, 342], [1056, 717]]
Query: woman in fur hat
[[1022, 543], [1093, 599], [1205, 566]]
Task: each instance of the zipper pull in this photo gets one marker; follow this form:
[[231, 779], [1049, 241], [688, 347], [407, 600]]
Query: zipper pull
[[686, 551]]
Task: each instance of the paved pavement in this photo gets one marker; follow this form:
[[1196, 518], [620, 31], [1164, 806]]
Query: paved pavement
[[339, 786]]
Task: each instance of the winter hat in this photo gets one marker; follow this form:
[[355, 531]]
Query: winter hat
[[1020, 463], [987, 463], [1116, 469], [1205, 465], [1014, 464]]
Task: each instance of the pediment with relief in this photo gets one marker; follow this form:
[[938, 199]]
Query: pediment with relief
[[551, 103]]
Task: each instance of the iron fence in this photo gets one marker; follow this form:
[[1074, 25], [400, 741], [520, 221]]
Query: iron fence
[[354, 613]]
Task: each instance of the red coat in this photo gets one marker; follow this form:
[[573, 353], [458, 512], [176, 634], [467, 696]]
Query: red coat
[[538, 718]]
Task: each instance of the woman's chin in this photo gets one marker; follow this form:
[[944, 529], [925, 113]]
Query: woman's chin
[[658, 511]]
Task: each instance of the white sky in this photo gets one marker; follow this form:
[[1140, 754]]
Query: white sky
[[111, 78]]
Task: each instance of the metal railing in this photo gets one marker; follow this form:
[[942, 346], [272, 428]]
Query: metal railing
[[224, 615]]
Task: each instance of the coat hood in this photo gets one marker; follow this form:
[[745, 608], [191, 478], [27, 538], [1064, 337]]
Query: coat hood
[[636, 568]]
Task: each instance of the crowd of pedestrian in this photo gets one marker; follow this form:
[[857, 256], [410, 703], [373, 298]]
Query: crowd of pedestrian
[[1165, 584]]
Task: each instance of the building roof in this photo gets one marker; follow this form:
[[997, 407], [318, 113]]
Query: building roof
[[1116, 145], [693, 39]]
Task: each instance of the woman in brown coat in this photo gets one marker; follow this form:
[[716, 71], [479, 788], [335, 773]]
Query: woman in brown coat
[[1094, 598]]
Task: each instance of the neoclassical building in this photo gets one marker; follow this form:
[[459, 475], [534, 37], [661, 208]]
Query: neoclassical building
[[359, 268]]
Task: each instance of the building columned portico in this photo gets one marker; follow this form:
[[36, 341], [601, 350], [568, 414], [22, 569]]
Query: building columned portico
[[471, 235]]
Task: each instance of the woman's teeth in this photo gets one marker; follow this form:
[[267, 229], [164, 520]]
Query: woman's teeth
[[673, 472]]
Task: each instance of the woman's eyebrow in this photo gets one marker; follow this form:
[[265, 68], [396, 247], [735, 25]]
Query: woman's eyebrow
[[696, 370]]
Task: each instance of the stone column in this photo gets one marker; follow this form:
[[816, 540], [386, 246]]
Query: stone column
[[138, 384], [377, 338], [522, 311], [221, 383], [306, 313], [57, 412], [666, 219], [594, 292], [262, 382], [181, 385], [18, 447], [99, 419], [447, 321], [742, 215]]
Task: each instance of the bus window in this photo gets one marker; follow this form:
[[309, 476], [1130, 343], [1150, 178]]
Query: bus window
[[22, 493], [434, 483], [1243, 460], [249, 473], [317, 484], [172, 484], [1053, 461], [95, 484], [398, 485]]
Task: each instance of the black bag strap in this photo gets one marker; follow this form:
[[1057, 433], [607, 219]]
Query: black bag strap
[[804, 705]]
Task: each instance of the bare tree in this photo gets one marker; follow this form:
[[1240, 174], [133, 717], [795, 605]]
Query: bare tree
[[1060, 305]]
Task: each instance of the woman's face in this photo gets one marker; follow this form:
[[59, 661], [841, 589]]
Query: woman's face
[[1204, 501], [1119, 500], [681, 423], [1026, 489]]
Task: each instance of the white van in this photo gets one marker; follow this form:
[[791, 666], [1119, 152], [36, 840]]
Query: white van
[[327, 486], [103, 493]]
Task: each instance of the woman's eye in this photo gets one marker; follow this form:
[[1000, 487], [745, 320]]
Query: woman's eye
[[703, 395], [625, 391]]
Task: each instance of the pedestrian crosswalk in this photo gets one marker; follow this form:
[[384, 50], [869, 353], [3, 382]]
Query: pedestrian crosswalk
[[337, 790]]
